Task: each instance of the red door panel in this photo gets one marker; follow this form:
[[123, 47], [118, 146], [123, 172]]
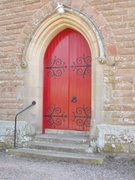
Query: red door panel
[[56, 83], [67, 83], [80, 82]]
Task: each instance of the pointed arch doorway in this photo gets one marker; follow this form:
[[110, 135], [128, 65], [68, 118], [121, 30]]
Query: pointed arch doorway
[[67, 83]]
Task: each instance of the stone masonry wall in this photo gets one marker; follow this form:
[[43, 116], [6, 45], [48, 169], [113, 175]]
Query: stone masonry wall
[[120, 78], [115, 19]]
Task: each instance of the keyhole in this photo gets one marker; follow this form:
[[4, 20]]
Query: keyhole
[[74, 99]]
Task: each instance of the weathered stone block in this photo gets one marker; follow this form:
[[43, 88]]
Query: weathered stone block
[[116, 138], [24, 133]]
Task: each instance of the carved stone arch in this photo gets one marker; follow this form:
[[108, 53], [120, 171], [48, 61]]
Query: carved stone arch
[[81, 8], [34, 53]]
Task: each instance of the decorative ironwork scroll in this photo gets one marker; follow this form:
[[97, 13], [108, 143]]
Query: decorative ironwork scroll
[[56, 67], [82, 116], [82, 66], [55, 116]]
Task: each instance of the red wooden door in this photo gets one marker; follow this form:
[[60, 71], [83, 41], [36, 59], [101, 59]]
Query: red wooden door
[[67, 83]]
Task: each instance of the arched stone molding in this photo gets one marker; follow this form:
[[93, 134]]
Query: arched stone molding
[[34, 54], [81, 7]]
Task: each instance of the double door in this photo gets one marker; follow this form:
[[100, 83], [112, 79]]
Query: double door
[[67, 83]]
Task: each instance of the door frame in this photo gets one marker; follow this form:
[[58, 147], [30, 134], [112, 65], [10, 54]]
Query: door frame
[[34, 54]]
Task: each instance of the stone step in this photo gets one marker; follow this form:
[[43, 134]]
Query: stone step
[[73, 148], [58, 156], [62, 138]]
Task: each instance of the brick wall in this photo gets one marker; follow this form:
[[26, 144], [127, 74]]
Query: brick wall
[[13, 17], [121, 18], [115, 19]]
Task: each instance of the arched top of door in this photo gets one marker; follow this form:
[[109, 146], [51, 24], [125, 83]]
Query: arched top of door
[[55, 23]]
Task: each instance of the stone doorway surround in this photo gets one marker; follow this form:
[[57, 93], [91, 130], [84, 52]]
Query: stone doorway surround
[[112, 117], [34, 55]]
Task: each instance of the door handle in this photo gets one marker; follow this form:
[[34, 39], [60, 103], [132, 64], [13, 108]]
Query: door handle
[[74, 99]]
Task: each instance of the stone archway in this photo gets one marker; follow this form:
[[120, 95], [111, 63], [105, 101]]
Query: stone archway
[[35, 52]]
